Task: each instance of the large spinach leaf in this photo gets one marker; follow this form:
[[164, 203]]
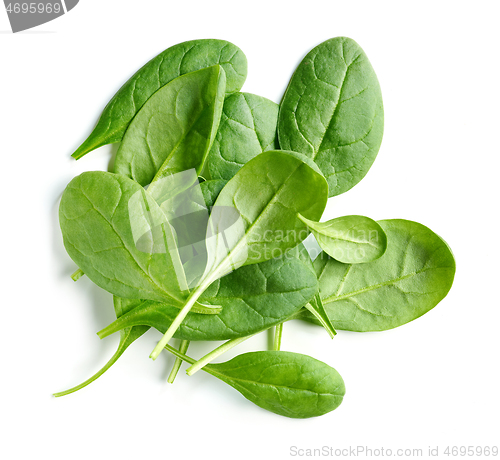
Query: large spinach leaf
[[332, 111], [263, 192], [175, 128], [288, 384], [96, 214], [253, 298], [173, 62], [247, 128], [413, 276]]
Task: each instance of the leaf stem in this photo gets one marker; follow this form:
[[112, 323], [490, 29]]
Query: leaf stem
[[178, 361], [179, 355], [175, 324], [113, 360], [184, 311], [278, 332], [77, 275], [208, 358], [325, 321]]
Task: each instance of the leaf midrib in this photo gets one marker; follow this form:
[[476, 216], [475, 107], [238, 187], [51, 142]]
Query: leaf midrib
[[337, 106], [334, 298], [254, 382], [181, 140]]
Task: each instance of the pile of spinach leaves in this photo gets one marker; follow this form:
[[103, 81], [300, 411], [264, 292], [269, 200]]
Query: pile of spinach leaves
[[195, 150]]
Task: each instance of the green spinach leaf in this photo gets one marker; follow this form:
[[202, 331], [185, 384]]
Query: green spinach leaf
[[332, 112], [96, 214], [349, 239], [173, 62], [174, 129], [247, 128], [288, 384], [263, 192], [412, 277]]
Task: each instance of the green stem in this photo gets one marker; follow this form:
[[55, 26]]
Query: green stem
[[113, 360], [189, 360], [185, 310], [278, 332], [77, 275], [325, 321], [208, 358], [176, 323], [179, 355], [178, 361]]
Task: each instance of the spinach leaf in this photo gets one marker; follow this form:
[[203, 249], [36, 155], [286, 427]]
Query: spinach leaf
[[332, 112], [173, 62], [247, 128], [253, 298], [263, 194], [96, 212], [412, 277], [127, 336], [288, 384], [175, 128], [349, 239]]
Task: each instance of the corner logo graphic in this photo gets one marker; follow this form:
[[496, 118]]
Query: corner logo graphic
[[26, 15]]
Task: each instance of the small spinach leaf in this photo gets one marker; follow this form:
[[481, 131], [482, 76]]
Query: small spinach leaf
[[288, 384], [173, 62], [412, 277], [253, 298], [247, 128], [349, 239], [174, 129], [332, 112]]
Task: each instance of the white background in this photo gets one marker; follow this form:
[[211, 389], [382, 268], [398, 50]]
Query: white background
[[433, 382]]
